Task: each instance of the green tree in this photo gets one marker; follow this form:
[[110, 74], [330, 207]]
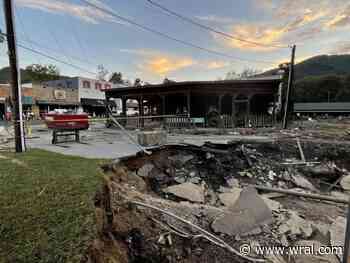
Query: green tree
[[117, 78], [39, 72], [2, 37]]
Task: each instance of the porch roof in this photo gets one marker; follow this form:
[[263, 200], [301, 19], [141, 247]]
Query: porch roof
[[264, 85]]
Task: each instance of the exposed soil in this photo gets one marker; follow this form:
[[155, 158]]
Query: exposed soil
[[130, 233]]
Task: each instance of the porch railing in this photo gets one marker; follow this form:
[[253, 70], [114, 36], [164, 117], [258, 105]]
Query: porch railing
[[183, 121]]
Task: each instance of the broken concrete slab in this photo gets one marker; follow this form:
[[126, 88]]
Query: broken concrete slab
[[229, 198], [307, 255], [187, 191], [152, 138], [272, 204], [145, 170], [248, 213], [302, 182], [345, 183], [296, 226]]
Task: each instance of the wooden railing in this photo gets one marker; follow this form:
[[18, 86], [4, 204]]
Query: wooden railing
[[183, 121]]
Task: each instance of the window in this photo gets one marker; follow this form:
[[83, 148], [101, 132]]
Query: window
[[69, 84], [98, 86], [86, 84]]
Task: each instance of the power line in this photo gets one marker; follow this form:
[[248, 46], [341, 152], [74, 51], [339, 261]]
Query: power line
[[165, 35], [189, 20], [56, 59], [26, 36], [32, 42], [51, 57]]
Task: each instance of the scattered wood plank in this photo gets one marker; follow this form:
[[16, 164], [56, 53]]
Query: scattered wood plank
[[301, 194]]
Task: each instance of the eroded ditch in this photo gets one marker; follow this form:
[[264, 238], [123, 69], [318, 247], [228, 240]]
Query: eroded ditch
[[209, 186]]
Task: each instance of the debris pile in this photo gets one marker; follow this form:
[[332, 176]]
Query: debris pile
[[187, 203]]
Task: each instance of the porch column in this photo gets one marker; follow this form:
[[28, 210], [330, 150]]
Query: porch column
[[220, 103], [234, 111], [141, 111], [124, 110], [248, 111], [248, 105], [274, 109], [188, 97], [163, 105]]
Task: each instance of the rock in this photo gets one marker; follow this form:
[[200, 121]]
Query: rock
[[194, 180], [211, 197], [145, 170], [152, 138], [296, 225], [273, 205], [223, 189], [187, 191], [345, 183], [248, 213], [181, 159], [281, 184], [209, 155], [302, 182], [337, 232], [180, 179], [306, 253], [193, 173], [232, 182], [245, 173], [230, 198], [272, 175]]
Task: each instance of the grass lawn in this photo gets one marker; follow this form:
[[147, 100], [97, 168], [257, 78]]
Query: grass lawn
[[46, 206]]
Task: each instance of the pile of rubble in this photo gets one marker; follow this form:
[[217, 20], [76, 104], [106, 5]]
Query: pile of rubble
[[188, 203]]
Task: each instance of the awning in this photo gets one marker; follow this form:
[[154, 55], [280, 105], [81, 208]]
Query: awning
[[93, 102], [63, 103], [27, 100]]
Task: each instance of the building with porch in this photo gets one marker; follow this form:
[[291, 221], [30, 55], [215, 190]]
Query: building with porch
[[229, 103], [49, 97]]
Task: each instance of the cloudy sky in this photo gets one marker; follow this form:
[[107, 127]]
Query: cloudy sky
[[84, 36]]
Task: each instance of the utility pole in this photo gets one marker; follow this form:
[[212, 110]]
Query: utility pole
[[289, 88], [15, 76]]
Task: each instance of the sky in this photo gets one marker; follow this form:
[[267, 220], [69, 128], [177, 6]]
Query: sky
[[79, 34]]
